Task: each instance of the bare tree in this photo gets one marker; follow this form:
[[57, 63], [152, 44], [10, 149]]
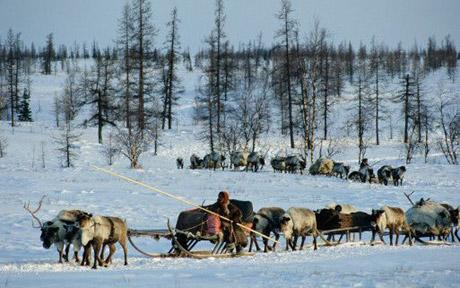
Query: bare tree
[[285, 33], [427, 120], [205, 110], [72, 98], [171, 81], [360, 115], [101, 90], [13, 73], [132, 145], [411, 146], [406, 98], [144, 31], [43, 155], [110, 150], [57, 109], [253, 112], [449, 121], [219, 33], [375, 68], [65, 142], [49, 54], [126, 77]]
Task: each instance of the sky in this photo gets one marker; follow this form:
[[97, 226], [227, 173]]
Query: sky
[[390, 21]]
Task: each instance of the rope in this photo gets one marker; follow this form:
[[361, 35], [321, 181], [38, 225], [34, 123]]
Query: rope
[[179, 199]]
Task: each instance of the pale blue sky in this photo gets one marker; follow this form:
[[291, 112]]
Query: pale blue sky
[[390, 21]]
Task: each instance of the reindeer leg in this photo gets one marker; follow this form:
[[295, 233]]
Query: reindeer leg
[[456, 234], [397, 237], [302, 242], [112, 249], [66, 255], [381, 237], [296, 237], [124, 246], [60, 249], [60, 256], [85, 257], [404, 240], [265, 245], [315, 245], [256, 243], [277, 237], [291, 243], [75, 256], [103, 250], [96, 250]]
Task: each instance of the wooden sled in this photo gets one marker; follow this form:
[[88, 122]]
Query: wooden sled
[[178, 250]]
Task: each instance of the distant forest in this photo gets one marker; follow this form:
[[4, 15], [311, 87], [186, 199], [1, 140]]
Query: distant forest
[[244, 90]]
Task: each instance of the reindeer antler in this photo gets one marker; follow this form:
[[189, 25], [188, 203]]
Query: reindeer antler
[[32, 213], [408, 197]]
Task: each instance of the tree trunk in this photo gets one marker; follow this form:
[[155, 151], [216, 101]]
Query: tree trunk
[[406, 111], [377, 108], [141, 116], [288, 78], [99, 117], [326, 97]]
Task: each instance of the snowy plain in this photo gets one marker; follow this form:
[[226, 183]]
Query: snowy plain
[[24, 263]]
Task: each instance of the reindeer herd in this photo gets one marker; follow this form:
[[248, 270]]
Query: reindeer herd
[[255, 161], [425, 218]]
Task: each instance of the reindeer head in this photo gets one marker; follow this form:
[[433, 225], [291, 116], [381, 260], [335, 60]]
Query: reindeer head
[[86, 224], [376, 217], [49, 234], [286, 225]]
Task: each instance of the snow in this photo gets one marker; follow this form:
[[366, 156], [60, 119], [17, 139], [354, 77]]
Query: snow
[[24, 263]]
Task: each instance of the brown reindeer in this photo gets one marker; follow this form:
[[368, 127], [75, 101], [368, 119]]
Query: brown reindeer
[[391, 218], [101, 231]]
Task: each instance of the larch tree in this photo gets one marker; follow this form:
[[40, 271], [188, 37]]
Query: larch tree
[[126, 77], [219, 22], [375, 69], [143, 55], [101, 91], [65, 142], [285, 34], [172, 81], [49, 54]]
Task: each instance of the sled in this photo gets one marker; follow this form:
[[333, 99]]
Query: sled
[[177, 249]]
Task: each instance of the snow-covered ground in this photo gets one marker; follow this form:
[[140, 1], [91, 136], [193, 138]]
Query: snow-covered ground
[[24, 263]]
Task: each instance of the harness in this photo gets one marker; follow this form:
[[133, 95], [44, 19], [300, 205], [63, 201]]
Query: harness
[[112, 231]]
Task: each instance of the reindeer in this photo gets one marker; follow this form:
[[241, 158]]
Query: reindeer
[[298, 222], [391, 218], [103, 230], [61, 231], [266, 221]]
